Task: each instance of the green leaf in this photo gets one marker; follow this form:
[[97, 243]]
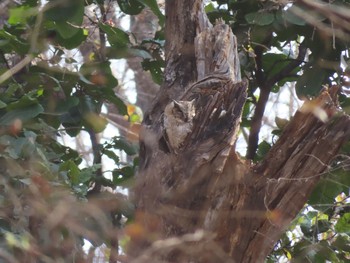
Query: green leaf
[[117, 53], [19, 15], [2, 104], [87, 105], [310, 83], [136, 52], [329, 187], [5, 225], [24, 101], [135, 118], [72, 121], [73, 41], [134, 7], [30, 2], [260, 18], [305, 226], [116, 37], [121, 144], [209, 8], [274, 63], [71, 26], [11, 89], [281, 123], [110, 154], [325, 253], [324, 193], [220, 14], [13, 43], [94, 122], [290, 16], [346, 147], [65, 11], [21, 147], [87, 114], [61, 106], [155, 67], [321, 226], [342, 242], [72, 170], [263, 149], [110, 96], [121, 176], [98, 74], [247, 108], [73, 116], [65, 17], [66, 153], [89, 2], [87, 174], [130, 7], [343, 224], [66, 30], [294, 16], [22, 114]]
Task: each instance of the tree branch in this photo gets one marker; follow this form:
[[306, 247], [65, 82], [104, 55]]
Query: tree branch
[[256, 122], [179, 52], [102, 35], [289, 172], [259, 73], [96, 151], [290, 67], [265, 86], [200, 183]]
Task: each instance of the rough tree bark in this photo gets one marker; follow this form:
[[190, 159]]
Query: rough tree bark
[[194, 194]]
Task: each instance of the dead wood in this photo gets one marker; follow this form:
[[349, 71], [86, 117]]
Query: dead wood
[[191, 179]]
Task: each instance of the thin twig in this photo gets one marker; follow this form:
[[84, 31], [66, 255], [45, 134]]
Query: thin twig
[[12, 71]]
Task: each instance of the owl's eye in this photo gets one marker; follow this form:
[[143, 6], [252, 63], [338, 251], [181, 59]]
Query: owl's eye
[[178, 111]]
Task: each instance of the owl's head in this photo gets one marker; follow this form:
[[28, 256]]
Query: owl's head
[[181, 110]]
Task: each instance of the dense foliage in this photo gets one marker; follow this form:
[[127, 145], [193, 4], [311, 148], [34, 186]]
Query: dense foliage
[[51, 87]]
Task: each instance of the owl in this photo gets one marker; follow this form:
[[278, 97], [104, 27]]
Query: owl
[[178, 122]]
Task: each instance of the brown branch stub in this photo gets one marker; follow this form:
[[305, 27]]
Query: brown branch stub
[[184, 20], [291, 169], [249, 208]]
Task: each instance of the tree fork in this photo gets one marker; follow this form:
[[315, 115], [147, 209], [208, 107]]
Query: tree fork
[[199, 182]]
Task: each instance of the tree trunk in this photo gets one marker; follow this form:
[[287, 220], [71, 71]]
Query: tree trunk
[[143, 26], [197, 201]]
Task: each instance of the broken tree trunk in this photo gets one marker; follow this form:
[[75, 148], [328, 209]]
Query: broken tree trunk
[[197, 201]]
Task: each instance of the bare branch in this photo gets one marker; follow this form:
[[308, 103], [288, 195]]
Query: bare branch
[[265, 86]]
